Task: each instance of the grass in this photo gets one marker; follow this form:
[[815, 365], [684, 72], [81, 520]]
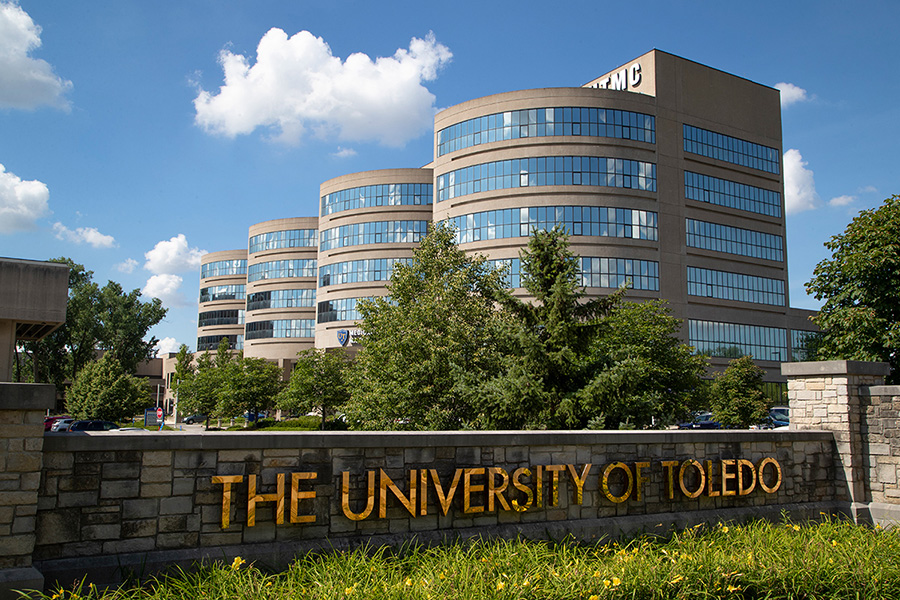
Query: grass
[[829, 559]]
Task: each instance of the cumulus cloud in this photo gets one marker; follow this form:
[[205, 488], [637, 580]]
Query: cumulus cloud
[[297, 86], [842, 200], [868, 189], [344, 152], [21, 202], [799, 184], [165, 287], [173, 256], [791, 94], [84, 235], [166, 345], [25, 82], [127, 266]]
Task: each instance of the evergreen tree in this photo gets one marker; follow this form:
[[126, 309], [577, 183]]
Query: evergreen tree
[[737, 397]]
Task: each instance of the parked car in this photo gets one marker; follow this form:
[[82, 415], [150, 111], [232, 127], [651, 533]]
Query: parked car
[[62, 424], [49, 421], [701, 420], [95, 425], [198, 418], [779, 416]]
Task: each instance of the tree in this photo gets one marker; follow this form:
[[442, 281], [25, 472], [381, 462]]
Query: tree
[[124, 321], [248, 385], [103, 390], [737, 397], [318, 382], [438, 323], [860, 284], [199, 388]]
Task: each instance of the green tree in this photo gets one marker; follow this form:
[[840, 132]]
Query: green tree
[[103, 390], [248, 385], [736, 396], [860, 284], [199, 388], [318, 382], [438, 324], [124, 321]]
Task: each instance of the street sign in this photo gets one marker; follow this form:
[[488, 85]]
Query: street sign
[[159, 413]]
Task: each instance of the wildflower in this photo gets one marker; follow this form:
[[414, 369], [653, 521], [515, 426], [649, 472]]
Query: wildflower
[[725, 529], [733, 588], [617, 581], [237, 562], [607, 583], [408, 582], [442, 576], [500, 585], [594, 597], [268, 584], [677, 579], [348, 591], [796, 528], [526, 583], [596, 573], [834, 542]]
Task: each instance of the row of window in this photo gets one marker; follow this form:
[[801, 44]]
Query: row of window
[[220, 317], [708, 283], [215, 293], [288, 238], [732, 340], [541, 122], [296, 298], [734, 240], [280, 269], [281, 328], [547, 170], [577, 220], [800, 342], [378, 232], [343, 309], [208, 343], [731, 149], [359, 271], [595, 272], [221, 268], [722, 192], [388, 194]]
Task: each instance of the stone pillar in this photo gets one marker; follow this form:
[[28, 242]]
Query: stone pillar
[[827, 395], [22, 410]]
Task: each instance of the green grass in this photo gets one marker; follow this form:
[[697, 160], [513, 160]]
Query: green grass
[[830, 559]]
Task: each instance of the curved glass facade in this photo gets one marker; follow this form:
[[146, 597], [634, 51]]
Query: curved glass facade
[[731, 340], [220, 317], [387, 194], [223, 292], [577, 220], [208, 343], [221, 268], [378, 232], [722, 192], [281, 328], [734, 240], [544, 122], [708, 283], [359, 271], [289, 238], [282, 269], [298, 298], [596, 272], [547, 170], [731, 149], [343, 309]]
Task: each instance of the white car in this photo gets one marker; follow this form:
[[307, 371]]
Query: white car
[[62, 425]]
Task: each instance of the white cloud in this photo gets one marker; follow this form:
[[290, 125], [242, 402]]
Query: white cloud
[[165, 287], [867, 189], [297, 85], [791, 94], [127, 266], [344, 152], [25, 82], [799, 184], [84, 235], [21, 202], [841, 200], [166, 345], [173, 256]]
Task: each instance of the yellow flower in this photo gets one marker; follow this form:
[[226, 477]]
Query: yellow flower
[[796, 528], [594, 597], [348, 591], [237, 562], [677, 579], [408, 581], [442, 576], [607, 583], [725, 529], [617, 581], [596, 573], [834, 542], [526, 583], [500, 585], [733, 588]]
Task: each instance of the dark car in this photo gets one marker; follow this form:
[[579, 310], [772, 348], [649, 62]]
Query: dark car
[[93, 426], [194, 419], [701, 420]]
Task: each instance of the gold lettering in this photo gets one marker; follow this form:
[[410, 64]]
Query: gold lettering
[[423, 488], [227, 481], [345, 497], [725, 475], [605, 481], [385, 484], [742, 464], [297, 496], [578, 481], [497, 491], [639, 479], [681, 484], [711, 490], [522, 488], [253, 498], [445, 500], [669, 466], [539, 486], [469, 489], [554, 484], [762, 482]]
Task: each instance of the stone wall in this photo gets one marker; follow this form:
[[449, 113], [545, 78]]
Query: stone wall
[[113, 503], [880, 432]]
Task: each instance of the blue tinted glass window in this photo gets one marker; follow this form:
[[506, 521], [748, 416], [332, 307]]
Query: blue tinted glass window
[[722, 192], [734, 240], [359, 271], [281, 328], [208, 343], [281, 269], [730, 149], [220, 317], [221, 268], [222, 292], [344, 309], [297, 298], [289, 238], [381, 232], [800, 343], [708, 283], [732, 340], [387, 194]]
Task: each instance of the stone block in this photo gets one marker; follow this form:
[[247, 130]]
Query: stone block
[[139, 528], [156, 474], [171, 524], [166, 541], [195, 460], [183, 486], [58, 527], [143, 544], [176, 505], [120, 489], [156, 490], [101, 532], [140, 508], [240, 455], [121, 470], [23, 525], [23, 462], [68, 499]]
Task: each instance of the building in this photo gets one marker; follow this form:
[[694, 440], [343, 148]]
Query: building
[[666, 173]]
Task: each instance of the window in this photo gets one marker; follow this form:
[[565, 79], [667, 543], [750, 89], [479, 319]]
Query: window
[[708, 283], [380, 232], [731, 149], [734, 240], [732, 340], [722, 192], [388, 194], [289, 238], [221, 268], [282, 269], [298, 298]]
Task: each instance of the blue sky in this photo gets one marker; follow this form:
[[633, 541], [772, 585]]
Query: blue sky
[[124, 144]]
